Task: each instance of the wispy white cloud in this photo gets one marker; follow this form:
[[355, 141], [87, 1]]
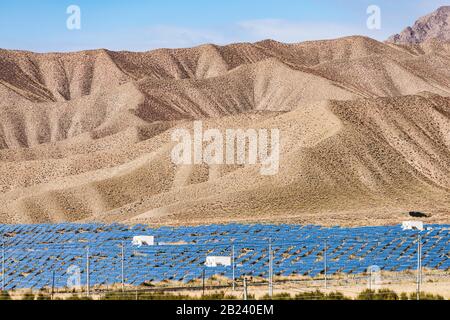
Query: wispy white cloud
[[174, 36], [292, 31], [243, 31], [134, 29], [149, 38]]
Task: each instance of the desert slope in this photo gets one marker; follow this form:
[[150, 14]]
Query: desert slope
[[365, 133]]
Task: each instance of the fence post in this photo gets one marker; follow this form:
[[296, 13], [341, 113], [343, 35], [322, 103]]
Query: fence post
[[3, 267], [203, 281], [87, 272], [122, 268], [420, 260], [325, 263], [270, 269], [419, 266], [245, 289], [53, 284], [232, 267]]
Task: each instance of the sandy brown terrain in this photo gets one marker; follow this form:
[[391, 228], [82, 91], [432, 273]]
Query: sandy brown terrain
[[365, 133]]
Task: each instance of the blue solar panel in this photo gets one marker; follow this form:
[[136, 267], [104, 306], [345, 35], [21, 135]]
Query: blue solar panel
[[34, 252]]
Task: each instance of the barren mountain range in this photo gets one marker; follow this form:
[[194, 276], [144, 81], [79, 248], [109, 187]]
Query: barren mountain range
[[365, 133], [433, 26]]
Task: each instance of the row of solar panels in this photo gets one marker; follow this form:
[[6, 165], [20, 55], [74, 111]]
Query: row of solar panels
[[25, 238], [209, 229], [40, 255]]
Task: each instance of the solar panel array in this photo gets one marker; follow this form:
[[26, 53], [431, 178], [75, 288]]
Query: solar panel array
[[39, 256]]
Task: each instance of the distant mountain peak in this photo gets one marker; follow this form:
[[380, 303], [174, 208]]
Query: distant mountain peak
[[432, 26]]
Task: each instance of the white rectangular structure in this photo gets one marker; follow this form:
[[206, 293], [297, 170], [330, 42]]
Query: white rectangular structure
[[143, 240], [212, 262], [412, 225]]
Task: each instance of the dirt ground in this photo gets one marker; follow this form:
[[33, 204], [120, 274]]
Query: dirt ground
[[433, 282]]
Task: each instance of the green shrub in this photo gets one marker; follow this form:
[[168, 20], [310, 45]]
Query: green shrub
[[77, 297], [382, 294], [161, 296], [314, 295], [366, 295], [319, 295], [4, 295], [425, 296], [404, 296], [336, 296], [143, 296], [119, 296], [218, 296], [278, 296], [28, 296], [42, 296], [386, 294]]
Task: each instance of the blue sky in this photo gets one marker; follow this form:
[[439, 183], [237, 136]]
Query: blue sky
[[139, 25]]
